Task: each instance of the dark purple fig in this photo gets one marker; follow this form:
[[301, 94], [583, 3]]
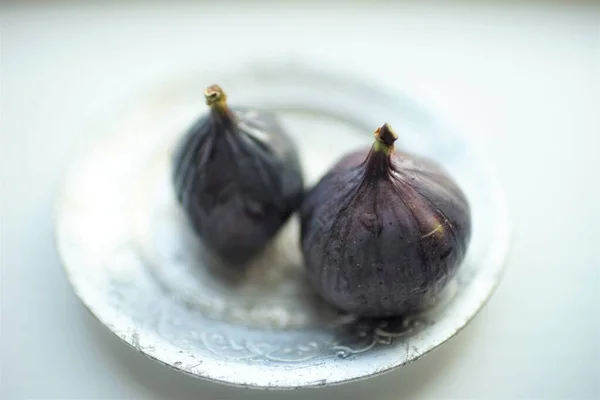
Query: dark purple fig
[[237, 175], [382, 233]]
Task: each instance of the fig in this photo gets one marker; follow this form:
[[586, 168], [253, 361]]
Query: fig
[[237, 175], [383, 232]]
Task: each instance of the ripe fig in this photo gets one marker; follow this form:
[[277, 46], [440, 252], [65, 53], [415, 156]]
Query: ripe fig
[[382, 233], [237, 175]]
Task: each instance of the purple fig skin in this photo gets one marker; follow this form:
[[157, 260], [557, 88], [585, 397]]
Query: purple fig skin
[[383, 233], [238, 178]]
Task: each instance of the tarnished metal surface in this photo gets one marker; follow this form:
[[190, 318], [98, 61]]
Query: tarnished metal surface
[[136, 265]]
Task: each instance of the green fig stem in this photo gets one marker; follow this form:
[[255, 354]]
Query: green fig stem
[[215, 97], [384, 139]]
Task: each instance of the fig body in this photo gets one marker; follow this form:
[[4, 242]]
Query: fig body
[[238, 177], [382, 233]]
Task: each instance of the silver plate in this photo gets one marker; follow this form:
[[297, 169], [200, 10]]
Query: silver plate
[[135, 264]]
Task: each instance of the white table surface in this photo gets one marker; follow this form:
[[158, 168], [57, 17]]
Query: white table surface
[[523, 80]]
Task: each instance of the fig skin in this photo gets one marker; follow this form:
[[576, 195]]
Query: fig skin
[[238, 177], [383, 233]]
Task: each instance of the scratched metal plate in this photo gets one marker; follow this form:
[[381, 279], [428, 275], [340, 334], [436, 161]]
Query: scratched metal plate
[[135, 264]]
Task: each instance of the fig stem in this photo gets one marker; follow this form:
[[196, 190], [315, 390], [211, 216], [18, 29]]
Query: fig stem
[[385, 138], [215, 97]]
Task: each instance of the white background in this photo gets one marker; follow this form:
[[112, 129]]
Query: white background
[[522, 80]]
